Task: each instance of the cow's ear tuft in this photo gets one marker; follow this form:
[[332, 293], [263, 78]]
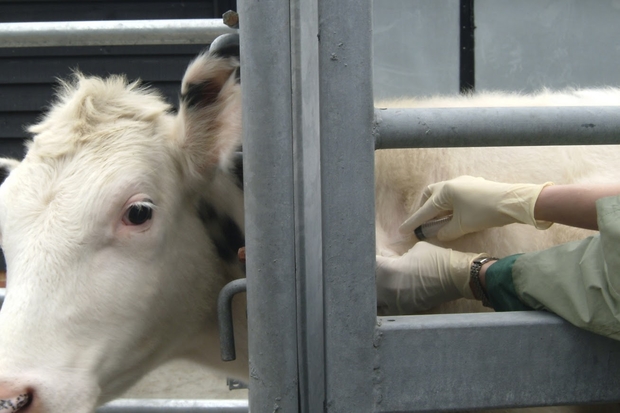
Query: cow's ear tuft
[[6, 166], [210, 109]]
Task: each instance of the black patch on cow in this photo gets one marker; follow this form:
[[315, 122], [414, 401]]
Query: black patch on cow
[[200, 95], [4, 173], [237, 169], [237, 74], [223, 231]]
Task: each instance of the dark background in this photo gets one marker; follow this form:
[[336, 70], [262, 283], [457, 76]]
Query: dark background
[[28, 75]]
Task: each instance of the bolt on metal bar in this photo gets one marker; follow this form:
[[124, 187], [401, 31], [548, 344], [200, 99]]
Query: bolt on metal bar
[[108, 33], [175, 406], [516, 126]]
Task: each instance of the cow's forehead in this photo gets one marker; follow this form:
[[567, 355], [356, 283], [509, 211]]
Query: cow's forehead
[[105, 114], [101, 134]]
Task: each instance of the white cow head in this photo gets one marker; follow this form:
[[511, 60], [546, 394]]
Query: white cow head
[[119, 228]]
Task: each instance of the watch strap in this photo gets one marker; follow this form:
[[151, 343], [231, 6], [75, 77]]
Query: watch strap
[[474, 280]]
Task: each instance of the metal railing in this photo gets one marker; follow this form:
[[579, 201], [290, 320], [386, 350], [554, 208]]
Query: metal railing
[[114, 32]]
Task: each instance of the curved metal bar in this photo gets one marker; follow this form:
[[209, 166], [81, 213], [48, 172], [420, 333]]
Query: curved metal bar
[[224, 317], [113, 32]]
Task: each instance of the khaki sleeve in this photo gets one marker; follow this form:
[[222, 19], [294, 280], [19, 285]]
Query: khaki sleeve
[[579, 281]]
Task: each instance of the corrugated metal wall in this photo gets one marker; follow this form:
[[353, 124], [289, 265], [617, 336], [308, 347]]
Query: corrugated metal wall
[[27, 75]]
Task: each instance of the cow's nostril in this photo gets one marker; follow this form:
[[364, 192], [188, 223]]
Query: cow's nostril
[[12, 404]]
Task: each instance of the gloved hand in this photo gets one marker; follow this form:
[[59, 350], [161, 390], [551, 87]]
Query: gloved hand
[[476, 204], [422, 278]]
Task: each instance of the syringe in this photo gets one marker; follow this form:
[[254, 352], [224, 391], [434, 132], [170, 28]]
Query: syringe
[[430, 228]]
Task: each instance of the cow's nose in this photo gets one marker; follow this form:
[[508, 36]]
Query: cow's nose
[[12, 401]]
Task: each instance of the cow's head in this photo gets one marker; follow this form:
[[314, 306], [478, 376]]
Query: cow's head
[[119, 227]]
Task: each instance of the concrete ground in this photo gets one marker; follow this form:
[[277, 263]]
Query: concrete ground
[[183, 379]]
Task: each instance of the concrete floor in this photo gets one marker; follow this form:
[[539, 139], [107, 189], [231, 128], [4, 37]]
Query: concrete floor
[[184, 380]]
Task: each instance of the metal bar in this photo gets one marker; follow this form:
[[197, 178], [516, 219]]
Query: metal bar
[[488, 360], [269, 204], [225, 318], [347, 182], [116, 32], [516, 126], [308, 204], [175, 406]]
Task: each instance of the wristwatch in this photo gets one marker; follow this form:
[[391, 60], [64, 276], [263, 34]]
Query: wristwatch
[[474, 280]]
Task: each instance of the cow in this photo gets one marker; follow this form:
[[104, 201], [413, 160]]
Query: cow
[[124, 219]]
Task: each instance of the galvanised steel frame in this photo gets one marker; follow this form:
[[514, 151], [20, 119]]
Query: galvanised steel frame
[[316, 343]]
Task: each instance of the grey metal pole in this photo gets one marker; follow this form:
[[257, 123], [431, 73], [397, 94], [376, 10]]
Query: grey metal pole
[[308, 206], [456, 127], [269, 204], [116, 32], [347, 180]]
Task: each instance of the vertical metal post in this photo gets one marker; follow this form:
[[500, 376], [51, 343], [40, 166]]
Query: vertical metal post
[[334, 158], [269, 198], [308, 159], [308, 210], [347, 180]]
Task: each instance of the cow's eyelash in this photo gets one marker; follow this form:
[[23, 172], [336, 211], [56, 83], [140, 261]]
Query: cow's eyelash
[[147, 203]]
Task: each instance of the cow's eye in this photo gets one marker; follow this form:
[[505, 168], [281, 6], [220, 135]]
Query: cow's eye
[[138, 213]]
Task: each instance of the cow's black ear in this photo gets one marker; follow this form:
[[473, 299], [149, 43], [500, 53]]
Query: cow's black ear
[[210, 109], [6, 166]]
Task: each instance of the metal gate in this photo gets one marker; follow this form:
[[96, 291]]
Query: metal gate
[[316, 343]]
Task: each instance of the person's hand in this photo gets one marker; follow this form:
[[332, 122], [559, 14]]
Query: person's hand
[[476, 204], [422, 278]]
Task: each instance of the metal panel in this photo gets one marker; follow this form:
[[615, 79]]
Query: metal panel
[[415, 48], [467, 361], [118, 32], [530, 44], [175, 406], [269, 203], [455, 127]]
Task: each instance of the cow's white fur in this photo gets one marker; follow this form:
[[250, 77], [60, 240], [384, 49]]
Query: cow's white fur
[[77, 275], [93, 304]]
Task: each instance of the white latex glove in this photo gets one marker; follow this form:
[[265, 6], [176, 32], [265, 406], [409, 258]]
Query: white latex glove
[[422, 278], [476, 204]]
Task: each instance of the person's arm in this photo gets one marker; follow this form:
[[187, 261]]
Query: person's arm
[[477, 204], [483, 273], [573, 205]]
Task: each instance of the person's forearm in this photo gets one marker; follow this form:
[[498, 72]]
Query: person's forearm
[[572, 205]]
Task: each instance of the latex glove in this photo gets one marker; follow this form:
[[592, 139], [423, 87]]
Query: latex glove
[[476, 204], [422, 278]]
